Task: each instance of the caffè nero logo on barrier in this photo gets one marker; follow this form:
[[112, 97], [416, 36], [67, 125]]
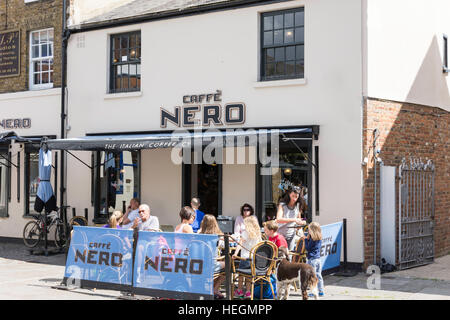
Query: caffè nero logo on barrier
[[204, 110]]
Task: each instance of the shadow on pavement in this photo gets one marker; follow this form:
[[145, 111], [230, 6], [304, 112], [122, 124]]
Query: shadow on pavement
[[14, 250]]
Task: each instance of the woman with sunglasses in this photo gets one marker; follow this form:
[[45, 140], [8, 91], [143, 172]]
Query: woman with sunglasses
[[239, 227]]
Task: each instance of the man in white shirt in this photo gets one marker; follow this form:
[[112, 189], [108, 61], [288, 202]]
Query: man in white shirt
[[131, 214], [145, 222]]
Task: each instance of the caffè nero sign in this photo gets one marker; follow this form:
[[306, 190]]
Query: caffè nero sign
[[204, 110]]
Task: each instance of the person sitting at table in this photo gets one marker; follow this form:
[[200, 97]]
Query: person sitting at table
[[209, 225], [145, 222], [195, 204], [115, 220], [239, 226], [250, 237], [131, 213], [271, 230], [187, 216]]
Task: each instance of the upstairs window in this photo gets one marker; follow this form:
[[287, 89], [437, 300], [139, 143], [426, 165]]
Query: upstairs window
[[41, 59], [282, 44], [125, 62]]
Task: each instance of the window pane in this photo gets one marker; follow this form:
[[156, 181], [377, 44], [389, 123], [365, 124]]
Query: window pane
[[36, 66], [299, 34], [44, 36], [290, 53], [138, 39], [278, 22], [116, 56], [116, 43], [125, 82], [289, 36], [35, 50], [279, 54], [45, 77], [299, 68], [45, 65], [37, 78], [268, 23], [51, 76], [33, 179], [132, 41], [125, 69], [270, 55], [138, 69], [44, 51], [300, 18], [50, 50], [124, 42], [270, 69], [123, 55], [300, 52], [118, 70], [278, 37], [132, 69], [138, 53], [279, 69], [290, 68], [288, 20], [268, 38], [35, 38]]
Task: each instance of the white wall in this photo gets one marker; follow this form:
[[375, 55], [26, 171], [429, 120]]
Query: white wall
[[220, 50], [40, 107], [405, 51]]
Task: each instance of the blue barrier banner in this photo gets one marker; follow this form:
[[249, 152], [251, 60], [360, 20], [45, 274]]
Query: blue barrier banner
[[100, 256], [175, 265], [330, 252]]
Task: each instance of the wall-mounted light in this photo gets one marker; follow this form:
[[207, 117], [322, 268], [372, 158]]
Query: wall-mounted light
[[287, 171]]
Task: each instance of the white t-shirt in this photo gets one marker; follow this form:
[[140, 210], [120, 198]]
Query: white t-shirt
[[131, 216], [152, 224], [247, 243]]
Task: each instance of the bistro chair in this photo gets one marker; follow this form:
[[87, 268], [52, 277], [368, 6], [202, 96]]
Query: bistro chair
[[262, 265]]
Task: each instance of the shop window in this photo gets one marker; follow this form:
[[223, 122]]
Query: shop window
[[117, 181], [125, 72], [294, 169], [41, 59], [283, 45], [31, 179], [4, 183]]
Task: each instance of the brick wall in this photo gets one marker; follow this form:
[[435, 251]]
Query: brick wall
[[410, 131], [41, 14]]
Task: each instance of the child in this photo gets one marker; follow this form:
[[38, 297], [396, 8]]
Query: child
[[313, 242], [115, 220], [209, 225], [270, 229], [249, 238]]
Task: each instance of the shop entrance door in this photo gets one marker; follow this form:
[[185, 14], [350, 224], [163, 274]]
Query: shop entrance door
[[203, 181]]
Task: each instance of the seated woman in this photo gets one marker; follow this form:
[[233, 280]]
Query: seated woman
[[187, 216], [250, 237], [115, 220], [209, 225]]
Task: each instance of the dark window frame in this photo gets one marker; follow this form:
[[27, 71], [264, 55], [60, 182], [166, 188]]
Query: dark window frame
[[295, 45], [28, 150], [113, 64], [6, 170], [445, 54]]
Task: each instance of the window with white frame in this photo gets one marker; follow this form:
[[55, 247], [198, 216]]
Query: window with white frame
[[41, 59]]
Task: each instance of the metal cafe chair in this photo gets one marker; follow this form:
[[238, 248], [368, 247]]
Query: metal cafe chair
[[262, 265]]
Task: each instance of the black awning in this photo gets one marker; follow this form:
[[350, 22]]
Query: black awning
[[123, 142], [8, 136]]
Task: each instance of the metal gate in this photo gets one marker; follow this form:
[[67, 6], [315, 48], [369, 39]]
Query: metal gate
[[416, 213]]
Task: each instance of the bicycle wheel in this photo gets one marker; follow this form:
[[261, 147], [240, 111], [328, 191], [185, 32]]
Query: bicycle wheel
[[60, 235], [32, 234]]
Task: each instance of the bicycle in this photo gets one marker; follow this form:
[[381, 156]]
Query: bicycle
[[33, 232]]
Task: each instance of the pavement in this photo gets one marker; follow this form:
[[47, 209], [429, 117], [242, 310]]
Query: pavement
[[26, 276]]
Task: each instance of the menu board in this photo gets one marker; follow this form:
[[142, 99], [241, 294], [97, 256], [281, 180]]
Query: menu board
[[9, 53]]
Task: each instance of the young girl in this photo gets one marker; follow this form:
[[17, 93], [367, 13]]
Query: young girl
[[209, 225], [115, 220], [313, 242], [249, 238], [187, 216]]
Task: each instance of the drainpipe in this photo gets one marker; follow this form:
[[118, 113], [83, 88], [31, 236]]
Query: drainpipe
[[375, 137], [65, 38]]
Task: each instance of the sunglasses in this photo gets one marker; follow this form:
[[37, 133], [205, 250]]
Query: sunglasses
[[246, 209], [140, 211]]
